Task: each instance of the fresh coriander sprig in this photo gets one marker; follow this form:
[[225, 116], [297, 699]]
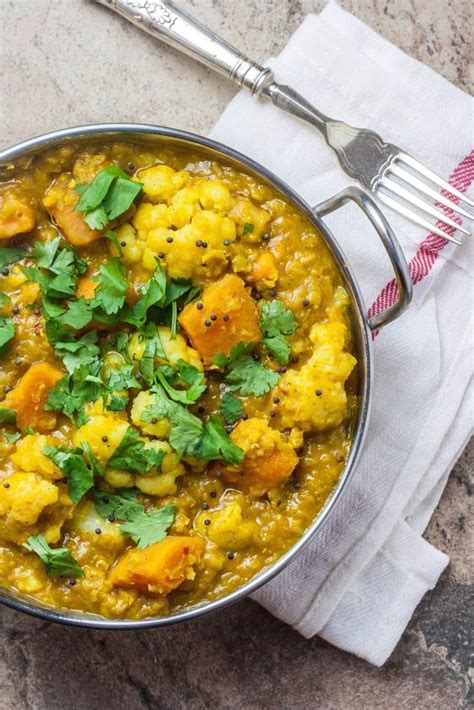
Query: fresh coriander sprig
[[277, 321], [144, 527], [244, 374], [109, 195], [132, 454], [58, 560]]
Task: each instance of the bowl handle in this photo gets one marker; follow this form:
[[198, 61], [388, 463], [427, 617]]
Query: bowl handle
[[390, 242]]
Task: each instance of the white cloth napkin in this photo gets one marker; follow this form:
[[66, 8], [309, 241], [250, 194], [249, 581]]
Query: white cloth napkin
[[358, 583]]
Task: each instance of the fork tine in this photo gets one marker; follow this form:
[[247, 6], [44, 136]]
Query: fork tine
[[422, 187], [415, 217], [416, 165], [421, 204]]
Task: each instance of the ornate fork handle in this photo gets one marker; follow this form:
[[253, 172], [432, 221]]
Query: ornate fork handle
[[362, 154], [172, 25]]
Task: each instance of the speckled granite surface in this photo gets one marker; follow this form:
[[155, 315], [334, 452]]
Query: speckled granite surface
[[64, 66]]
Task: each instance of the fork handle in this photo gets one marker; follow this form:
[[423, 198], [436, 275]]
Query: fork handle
[[172, 25]]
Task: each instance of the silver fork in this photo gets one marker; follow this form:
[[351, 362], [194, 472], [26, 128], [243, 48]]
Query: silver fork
[[380, 167]]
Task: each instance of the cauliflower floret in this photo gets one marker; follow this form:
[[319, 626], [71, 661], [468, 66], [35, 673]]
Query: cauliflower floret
[[227, 529], [86, 520], [161, 182], [29, 456], [160, 428], [269, 459], [174, 348], [17, 215], [132, 247], [103, 433], [148, 217], [26, 496], [245, 213], [184, 205], [314, 397], [164, 483], [197, 249], [177, 349], [214, 195], [31, 505], [119, 478]]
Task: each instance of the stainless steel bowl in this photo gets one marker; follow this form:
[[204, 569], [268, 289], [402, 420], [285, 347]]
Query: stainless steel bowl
[[363, 327]]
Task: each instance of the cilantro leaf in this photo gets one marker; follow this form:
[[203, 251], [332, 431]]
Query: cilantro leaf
[[188, 435], [121, 505], [123, 378], [217, 444], [153, 348], [73, 392], [189, 375], [186, 431], [8, 255], [75, 353], [244, 374], [151, 293], [57, 269], [279, 347], [7, 416], [120, 196], [276, 321], [58, 560], [4, 299], [133, 455], [109, 195], [80, 476], [112, 286], [149, 527], [144, 527], [94, 193], [94, 463], [44, 253], [7, 331], [78, 314], [248, 228], [231, 408], [11, 438]]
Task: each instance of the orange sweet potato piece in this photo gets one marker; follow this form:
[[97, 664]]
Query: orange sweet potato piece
[[60, 202], [16, 215], [29, 397], [231, 315], [269, 460], [86, 287], [264, 270], [159, 568]]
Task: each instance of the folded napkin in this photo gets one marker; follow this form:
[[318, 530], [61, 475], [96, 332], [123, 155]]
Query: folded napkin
[[358, 583]]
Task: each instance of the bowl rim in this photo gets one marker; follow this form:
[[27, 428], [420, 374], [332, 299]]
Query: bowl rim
[[136, 131]]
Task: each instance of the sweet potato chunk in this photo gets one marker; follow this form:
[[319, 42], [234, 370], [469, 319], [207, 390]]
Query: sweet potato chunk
[[86, 287], [29, 397], [16, 215], [264, 271], [159, 568], [230, 314], [60, 202], [269, 459]]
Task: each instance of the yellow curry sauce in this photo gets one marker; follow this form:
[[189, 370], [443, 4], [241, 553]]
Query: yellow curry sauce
[[176, 397]]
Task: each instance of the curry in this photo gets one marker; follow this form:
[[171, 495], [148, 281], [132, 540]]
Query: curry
[[177, 378]]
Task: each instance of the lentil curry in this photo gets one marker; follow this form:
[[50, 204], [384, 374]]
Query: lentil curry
[[176, 397]]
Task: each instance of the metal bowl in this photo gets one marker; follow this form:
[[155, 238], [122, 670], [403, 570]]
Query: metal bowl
[[363, 326]]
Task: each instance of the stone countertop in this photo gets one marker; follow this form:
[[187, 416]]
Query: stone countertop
[[65, 66]]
